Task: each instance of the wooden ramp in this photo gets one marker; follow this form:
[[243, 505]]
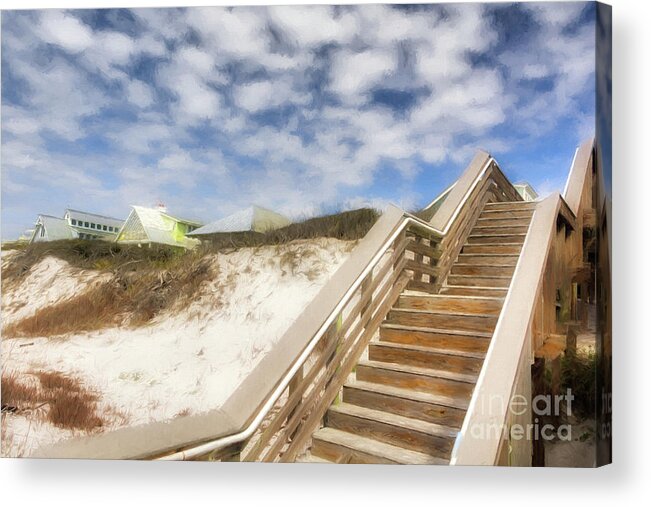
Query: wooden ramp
[[411, 390]]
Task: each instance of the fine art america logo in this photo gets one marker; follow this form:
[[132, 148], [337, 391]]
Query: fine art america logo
[[524, 426]]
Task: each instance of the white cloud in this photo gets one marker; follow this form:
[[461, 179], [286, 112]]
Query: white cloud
[[196, 99], [557, 15], [262, 95], [354, 73], [216, 68], [139, 93], [307, 26], [65, 31], [534, 71], [237, 33], [176, 161], [197, 60]]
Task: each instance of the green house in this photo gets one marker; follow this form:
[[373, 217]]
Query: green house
[[145, 226]]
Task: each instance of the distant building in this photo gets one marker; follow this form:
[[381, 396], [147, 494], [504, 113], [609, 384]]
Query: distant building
[[49, 228], [91, 225], [145, 226], [75, 225], [526, 191], [252, 219]]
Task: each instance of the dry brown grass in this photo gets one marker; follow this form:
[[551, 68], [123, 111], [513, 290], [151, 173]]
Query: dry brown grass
[[69, 404], [75, 410], [134, 297], [88, 311], [53, 380], [18, 395]]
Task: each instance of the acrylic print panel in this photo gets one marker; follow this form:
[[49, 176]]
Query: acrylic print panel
[[313, 234]]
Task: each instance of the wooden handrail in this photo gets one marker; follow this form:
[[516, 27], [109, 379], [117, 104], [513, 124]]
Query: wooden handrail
[[470, 180], [483, 428], [313, 357], [552, 246]]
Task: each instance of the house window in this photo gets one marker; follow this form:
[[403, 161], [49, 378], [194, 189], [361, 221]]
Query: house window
[[42, 231], [92, 226], [73, 221], [85, 224], [104, 227]]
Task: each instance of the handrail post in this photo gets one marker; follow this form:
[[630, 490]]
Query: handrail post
[[433, 262], [399, 241], [366, 292], [292, 388]]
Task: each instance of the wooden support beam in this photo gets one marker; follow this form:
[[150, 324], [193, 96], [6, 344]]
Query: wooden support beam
[[367, 295]]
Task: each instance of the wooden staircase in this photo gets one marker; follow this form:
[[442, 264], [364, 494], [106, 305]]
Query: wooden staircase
[[412, 388]]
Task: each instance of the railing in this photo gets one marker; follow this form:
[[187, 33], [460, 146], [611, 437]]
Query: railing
[[550, 258], [409, 257], [286, 421], [482, 182], [311, 361]]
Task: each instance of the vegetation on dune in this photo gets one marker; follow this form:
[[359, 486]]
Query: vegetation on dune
[[99, 255], [347, 225], [132, 295], [52, 396], [150, 280]]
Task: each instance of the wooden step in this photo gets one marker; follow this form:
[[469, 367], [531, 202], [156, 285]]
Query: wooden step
[[488, 259], [343, 447], [442, 320], [460, 268], [413, 434], [427, 407], [427, 380], [465, 341], [474, 239], [308, 457], [492, 248], [479, 281], [465, 290], [518, 205], [499, 229], [426, 357], [451, 304], [503, 214], [507, 221]]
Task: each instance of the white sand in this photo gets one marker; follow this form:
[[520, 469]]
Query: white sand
[[184, 362], [50, 281]]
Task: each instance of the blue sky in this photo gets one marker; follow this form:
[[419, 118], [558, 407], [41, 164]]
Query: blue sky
[[300, 109]]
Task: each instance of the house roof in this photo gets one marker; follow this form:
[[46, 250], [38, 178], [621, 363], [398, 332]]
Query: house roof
[[93, 217], [526, 187], [160, 230], [56, 228], [253, 218], [152, 217]]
